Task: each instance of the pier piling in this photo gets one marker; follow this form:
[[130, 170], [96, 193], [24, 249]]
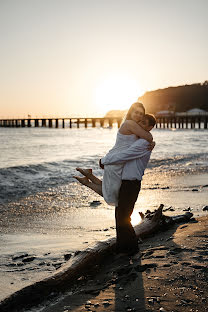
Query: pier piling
[[169, 122]]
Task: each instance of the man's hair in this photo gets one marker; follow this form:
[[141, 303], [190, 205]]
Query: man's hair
[[151, 119]]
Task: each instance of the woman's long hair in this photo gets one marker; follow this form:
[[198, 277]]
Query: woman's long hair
[[135, 104]]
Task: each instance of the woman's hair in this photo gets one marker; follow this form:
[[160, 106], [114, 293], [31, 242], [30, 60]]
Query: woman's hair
[[135, 104]]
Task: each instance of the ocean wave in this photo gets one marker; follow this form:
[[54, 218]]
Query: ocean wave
[[20, 181], [181, 160]]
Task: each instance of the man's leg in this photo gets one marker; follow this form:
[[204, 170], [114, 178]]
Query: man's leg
[[126, 237]]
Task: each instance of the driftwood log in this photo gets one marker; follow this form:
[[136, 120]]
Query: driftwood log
[[80, 264]]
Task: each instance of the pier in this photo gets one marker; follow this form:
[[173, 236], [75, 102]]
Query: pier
[[61, 122], [173, 121]]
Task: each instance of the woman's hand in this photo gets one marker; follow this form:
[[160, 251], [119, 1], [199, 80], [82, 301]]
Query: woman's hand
[[100, 164], [151, 146]]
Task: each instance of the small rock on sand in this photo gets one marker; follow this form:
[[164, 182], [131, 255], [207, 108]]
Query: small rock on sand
[[28, 259], [67, 256], [20, 256], [95, 203]]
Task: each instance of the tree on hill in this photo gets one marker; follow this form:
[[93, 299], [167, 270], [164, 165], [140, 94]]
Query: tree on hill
[[179, 99]]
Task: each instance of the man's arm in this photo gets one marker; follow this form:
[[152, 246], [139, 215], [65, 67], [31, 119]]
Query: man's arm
[[137, 150]]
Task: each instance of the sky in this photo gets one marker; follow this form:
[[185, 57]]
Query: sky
[[82, 58]]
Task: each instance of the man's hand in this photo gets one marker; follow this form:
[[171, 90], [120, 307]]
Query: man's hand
[[151, 146], [100, 164]]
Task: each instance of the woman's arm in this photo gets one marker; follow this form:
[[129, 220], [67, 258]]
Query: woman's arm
[[138, 130]]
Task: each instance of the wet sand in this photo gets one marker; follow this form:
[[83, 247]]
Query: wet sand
[[48, 226], [168, 274]]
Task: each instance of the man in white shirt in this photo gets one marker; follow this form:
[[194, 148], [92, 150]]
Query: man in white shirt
[[136, 158]]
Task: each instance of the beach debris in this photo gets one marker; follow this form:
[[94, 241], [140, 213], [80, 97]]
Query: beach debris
[[185, 263], [169, 209], [144, 267], [67, 256], [148, 254], [195, 190], [77, 252], [187, 209], [19, 256], [42, 263], [169, 238], [205, 208], [166, 265], [162, 310], [151, 301], [95, 203], [193, 220], [96, 305], [183, 227], [28, 259]]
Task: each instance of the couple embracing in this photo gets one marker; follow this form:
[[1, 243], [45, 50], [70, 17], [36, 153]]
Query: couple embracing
[[124, 167]]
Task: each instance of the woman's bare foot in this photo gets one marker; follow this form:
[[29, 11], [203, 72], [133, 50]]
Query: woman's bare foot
[[86, 172], [83, 180]]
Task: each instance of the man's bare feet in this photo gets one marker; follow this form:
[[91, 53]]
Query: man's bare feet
[[83, 180], [85, 172]]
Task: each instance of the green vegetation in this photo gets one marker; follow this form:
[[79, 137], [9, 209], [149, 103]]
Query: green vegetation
[[178, 99]]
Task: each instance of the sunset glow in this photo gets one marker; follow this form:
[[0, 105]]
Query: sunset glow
[[116, 92], [135, 218], [84, 58]]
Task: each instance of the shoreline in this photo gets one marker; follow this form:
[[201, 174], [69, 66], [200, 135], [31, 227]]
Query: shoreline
[[168, 274]]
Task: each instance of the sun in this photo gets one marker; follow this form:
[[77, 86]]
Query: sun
[[135, 218], [116, 92]]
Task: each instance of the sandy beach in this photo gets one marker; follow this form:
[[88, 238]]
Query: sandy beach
[[168, 274], [33, 246]]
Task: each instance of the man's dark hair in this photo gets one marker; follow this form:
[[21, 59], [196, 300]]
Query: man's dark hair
[[151, 119]]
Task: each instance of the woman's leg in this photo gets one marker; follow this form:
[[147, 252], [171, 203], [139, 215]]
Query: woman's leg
[[88, 173], [97, 188]]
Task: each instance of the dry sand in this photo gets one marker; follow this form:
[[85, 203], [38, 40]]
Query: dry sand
[[169, 273]]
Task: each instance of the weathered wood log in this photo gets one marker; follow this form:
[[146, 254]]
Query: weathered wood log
[[81, 264]]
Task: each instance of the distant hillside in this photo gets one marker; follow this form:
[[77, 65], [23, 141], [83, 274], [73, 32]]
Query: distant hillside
[[178, 99], [116, 113]]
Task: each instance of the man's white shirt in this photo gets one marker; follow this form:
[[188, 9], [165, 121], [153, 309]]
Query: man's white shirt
[[135, 160]]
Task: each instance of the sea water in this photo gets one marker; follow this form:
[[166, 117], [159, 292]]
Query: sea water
[[35, 159]]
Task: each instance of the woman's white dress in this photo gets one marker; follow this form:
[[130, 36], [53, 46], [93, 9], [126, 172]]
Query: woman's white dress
[[112, 173]]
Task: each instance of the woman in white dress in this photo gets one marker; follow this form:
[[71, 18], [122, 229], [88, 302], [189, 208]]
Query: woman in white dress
[[127, 134]]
